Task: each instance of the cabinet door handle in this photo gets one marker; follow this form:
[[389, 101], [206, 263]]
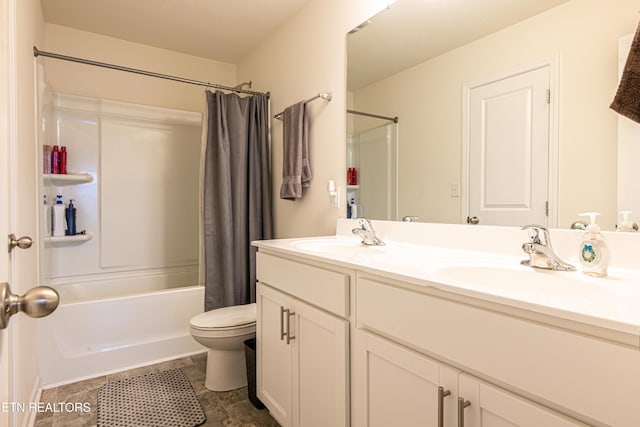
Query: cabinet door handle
[[461, 405], [289, 336], [282, 332], [442, 393]]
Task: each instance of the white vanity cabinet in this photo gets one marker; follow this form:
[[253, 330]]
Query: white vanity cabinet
[[405, 388], [395, 386], [413, 324], [302, 342], [388, 336], [491, 406]]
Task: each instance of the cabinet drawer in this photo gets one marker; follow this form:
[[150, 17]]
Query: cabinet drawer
[[569, 372], [322, 287]]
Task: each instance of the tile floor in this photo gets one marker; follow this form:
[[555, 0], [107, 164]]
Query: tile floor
[[229, 408]]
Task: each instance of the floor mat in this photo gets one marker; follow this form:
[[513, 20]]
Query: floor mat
[[163, 398]]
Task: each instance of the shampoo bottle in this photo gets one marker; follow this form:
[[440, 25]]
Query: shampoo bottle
[[70, 216], [58, 217], [55, 160], [594, 252], [62, 167]]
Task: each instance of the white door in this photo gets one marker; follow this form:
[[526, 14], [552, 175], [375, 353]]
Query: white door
[[508, 145], [19, 376], [493, 407], [5, 370]]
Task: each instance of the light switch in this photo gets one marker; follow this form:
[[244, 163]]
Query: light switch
[[455, 190]]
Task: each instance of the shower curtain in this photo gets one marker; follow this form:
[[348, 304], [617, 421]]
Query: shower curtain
[[237, 195]]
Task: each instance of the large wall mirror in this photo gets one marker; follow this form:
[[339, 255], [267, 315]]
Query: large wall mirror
[[452, 72]]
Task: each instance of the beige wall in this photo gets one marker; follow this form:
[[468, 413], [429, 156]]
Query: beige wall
[[306, 56], [584, 35], [80, 79]]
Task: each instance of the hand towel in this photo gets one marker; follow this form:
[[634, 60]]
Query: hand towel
[[627, 99], [296, 171]]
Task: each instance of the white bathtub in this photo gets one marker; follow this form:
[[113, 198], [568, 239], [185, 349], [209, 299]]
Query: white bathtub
[[87, 337]]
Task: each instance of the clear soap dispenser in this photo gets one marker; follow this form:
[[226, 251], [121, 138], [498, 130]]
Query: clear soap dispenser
[[594, 252], [626, 224]]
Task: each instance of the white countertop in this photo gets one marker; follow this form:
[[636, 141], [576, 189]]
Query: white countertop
[[608, 307]]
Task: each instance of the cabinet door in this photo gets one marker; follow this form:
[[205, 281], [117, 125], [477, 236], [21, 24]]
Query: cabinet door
[[492, 407], [273, 367], [394, 385], [320, 368]]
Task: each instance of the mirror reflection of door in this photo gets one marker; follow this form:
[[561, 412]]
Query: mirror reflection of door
[[508, 145]]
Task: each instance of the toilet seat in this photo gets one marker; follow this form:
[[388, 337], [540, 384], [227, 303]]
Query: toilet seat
[[234, 317]]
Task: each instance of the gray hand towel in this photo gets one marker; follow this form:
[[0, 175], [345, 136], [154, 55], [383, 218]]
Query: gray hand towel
[[627, 99], [296, 172]]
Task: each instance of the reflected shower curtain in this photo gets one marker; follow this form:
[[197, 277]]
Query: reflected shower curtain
[[237, 195]]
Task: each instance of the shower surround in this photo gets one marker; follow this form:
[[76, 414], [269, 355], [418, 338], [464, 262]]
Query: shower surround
[[129, 286]]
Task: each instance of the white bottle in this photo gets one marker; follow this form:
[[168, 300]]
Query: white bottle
[[58, 217], [354, 208], [594, 252], [46, 217]]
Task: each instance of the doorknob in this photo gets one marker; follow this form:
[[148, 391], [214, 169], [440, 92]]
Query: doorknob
[[23, 242], [473, 220], [37, 302]]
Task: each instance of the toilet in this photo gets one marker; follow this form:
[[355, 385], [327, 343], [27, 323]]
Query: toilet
[[223, 331]]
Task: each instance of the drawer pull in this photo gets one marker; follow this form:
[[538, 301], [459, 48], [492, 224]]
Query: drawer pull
[[461, 405], [442, 393], [289, 336], [282, 332]]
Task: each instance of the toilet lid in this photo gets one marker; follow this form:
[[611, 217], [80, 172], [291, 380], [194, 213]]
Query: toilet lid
[[226, 317]]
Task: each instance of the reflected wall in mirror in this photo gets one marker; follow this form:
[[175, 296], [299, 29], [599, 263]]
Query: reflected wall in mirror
[[414, 59], [372, 172]]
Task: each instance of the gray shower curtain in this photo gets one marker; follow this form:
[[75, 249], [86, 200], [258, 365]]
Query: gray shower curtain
[[237, 196]]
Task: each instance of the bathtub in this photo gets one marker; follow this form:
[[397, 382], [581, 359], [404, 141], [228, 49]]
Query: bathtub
[[91, 336]]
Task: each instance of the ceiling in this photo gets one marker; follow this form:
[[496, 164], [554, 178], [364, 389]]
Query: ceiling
[[221, 30], [414, 31]]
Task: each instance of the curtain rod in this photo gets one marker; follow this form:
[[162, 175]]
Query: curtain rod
[[326, 96], [376, 116], [37, 52]]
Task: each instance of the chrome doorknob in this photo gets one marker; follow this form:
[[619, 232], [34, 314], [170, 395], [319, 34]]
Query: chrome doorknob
[[37, 302], [473, 220], [23, 242]]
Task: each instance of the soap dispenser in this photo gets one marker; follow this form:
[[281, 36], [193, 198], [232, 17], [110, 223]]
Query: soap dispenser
[[626, 224], [594, 251]]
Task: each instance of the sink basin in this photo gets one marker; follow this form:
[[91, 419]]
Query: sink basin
[[556, 288]]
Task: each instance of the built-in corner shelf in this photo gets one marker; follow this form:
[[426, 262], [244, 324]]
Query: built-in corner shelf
[[67, 179], [353, 187], [78, 238]]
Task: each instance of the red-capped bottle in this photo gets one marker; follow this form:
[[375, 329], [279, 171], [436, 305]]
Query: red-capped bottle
[[63, 160], [349, 175], [354, 177], [55, 160]]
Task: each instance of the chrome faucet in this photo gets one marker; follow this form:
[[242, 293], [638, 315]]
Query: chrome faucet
[[540, 252], [367, 233]]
